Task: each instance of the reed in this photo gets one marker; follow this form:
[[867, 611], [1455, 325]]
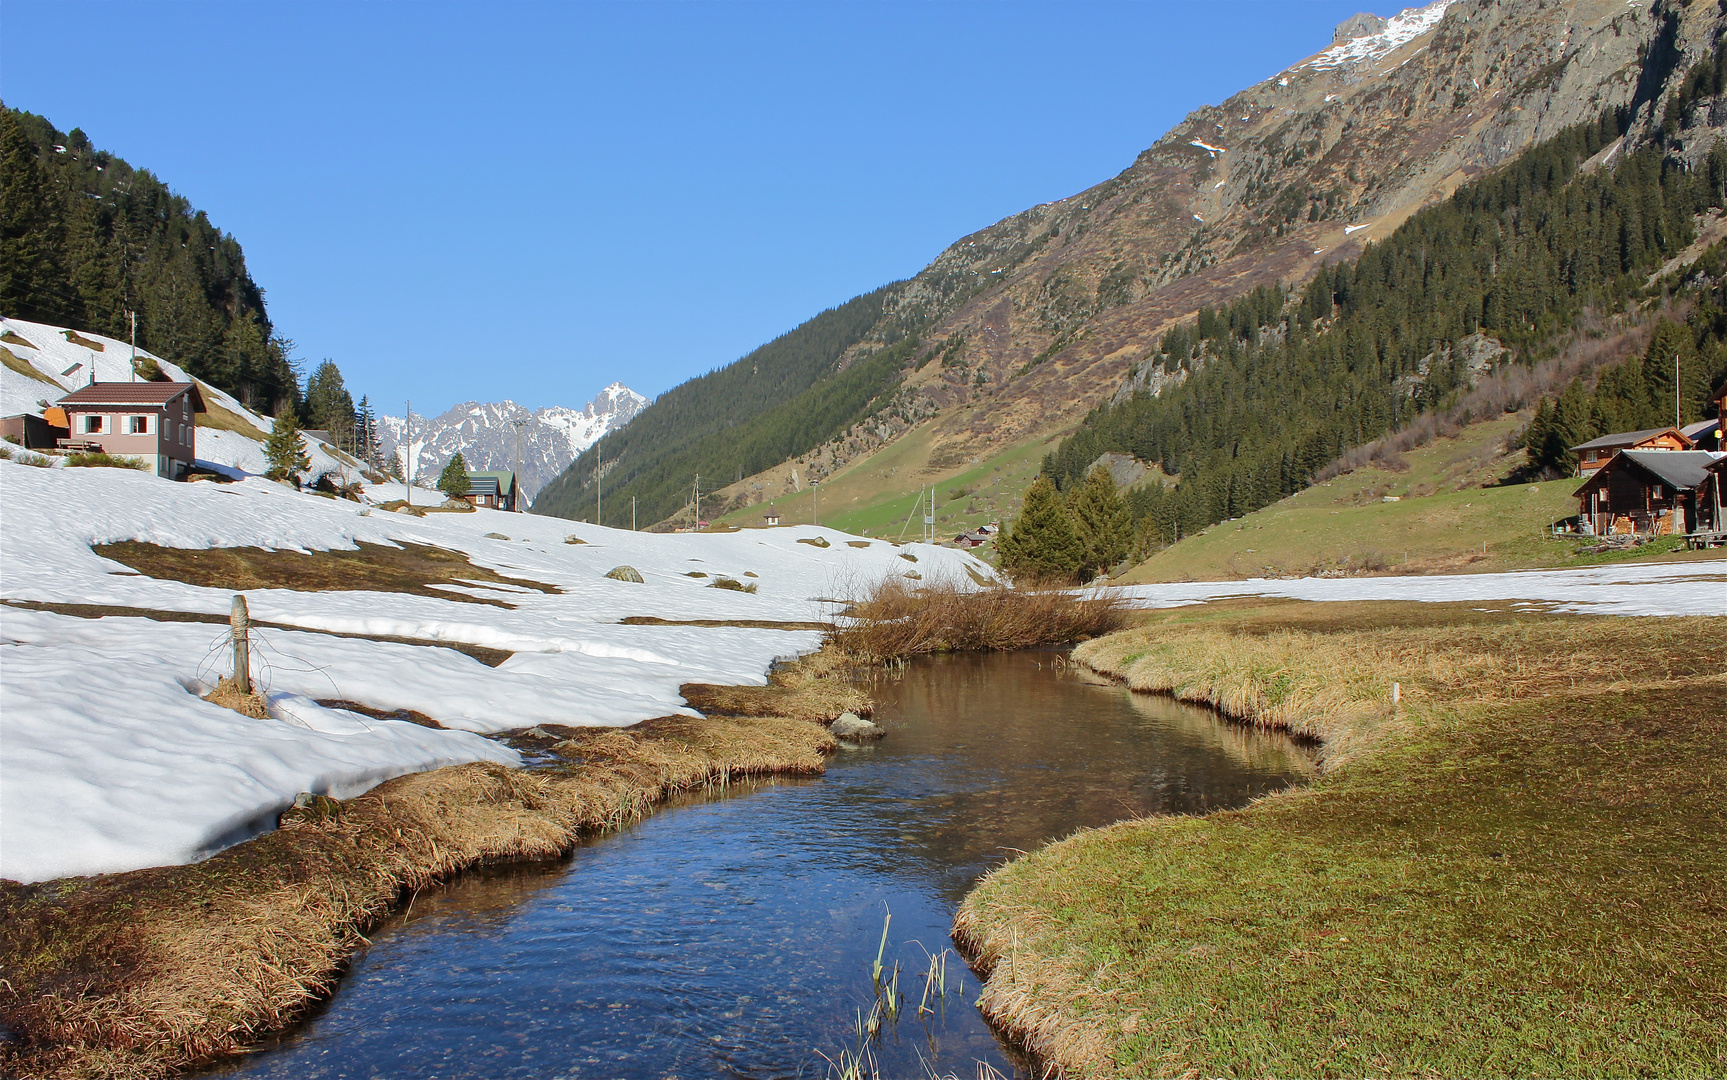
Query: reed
[[897, 618]]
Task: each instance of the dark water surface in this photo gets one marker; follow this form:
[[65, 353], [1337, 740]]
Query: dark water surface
[[732, 935]]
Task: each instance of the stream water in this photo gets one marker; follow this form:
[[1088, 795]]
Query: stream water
[[732, 935]]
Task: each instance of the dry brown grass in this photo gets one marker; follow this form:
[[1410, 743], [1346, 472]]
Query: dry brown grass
[[811, 688], [410, 568], [899, 619], [143, 973], [227, 694]]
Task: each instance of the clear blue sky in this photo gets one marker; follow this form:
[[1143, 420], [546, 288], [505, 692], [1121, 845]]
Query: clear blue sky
[[530, 200]]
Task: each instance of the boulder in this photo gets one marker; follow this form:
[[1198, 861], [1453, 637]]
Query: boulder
[[855, 728], [626, 573]]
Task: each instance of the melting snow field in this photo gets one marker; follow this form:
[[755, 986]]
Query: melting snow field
[[1697, 588], [110, 760]]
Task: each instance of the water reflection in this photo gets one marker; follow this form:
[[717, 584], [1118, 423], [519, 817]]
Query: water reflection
[[733, 936]]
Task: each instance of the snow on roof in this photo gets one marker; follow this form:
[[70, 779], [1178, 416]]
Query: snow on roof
[[1400, 29]]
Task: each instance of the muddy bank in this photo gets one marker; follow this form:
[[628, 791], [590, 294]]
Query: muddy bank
[[144, 973]]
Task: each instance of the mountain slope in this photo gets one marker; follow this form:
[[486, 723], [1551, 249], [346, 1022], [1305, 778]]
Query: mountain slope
[[85, 238], [1015, 332], [486, 435]]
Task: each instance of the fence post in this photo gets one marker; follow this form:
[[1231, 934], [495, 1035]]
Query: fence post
[[241, 623]]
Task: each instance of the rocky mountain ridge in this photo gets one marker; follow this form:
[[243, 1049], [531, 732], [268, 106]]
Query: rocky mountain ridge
[[1049, 312], [486, 435]]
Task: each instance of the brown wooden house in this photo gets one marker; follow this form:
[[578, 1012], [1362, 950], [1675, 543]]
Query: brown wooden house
[[155, 421], [1652, 493], [494, 490], [1595, 453]]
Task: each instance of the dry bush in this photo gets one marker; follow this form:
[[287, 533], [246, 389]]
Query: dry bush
[[810, 688], [227, 694], [898, 619]]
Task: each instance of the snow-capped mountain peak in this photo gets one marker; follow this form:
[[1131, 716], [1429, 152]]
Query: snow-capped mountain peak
[[490, 435]]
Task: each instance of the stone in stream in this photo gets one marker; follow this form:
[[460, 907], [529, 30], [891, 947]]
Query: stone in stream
[[852, 726]]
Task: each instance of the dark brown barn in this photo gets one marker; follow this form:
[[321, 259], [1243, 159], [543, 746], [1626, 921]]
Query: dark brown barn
[[1650, 492]]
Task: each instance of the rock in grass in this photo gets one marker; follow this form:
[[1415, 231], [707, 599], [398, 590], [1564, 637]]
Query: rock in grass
[[574, 539], [626, 573], [854, 727], [496, 536], [815, 541], [913, 574]]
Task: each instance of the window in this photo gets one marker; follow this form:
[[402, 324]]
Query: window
[[1657, 490], [93, 424], [138, 425]]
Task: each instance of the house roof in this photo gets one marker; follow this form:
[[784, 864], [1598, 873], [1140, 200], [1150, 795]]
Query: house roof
[[1682, 470], [1700, 429], [504, 478], [1626, 438], [482, 485], [145, 394]]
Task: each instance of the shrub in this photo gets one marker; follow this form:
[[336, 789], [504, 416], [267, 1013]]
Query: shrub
[[99, 460], [732, 584], [901, 618]]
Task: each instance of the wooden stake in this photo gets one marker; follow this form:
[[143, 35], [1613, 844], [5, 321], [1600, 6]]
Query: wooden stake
[[241, 623]]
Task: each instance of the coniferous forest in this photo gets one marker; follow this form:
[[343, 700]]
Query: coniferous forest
[[86, 238], [1277, 386]]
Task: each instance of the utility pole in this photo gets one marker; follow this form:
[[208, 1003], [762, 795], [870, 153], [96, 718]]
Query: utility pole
[[1678, 416], [696, 521], [597, 477], [408, 451], [518, 423], [132, 374], [632, 513], [815, 512]]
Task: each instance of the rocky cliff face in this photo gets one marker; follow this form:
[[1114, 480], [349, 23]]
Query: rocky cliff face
[[1048, 313], [485, 434]]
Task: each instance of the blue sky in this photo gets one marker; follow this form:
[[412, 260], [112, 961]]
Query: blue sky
[[530, 200]]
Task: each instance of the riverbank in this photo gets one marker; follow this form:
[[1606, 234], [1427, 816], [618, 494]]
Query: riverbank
[[1514, 870], [143, 973]]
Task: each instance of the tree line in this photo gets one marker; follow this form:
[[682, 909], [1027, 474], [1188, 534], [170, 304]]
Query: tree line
[[86, 239], [1276, 385]]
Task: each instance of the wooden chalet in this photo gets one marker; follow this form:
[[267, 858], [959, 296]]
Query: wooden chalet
[[1652, 493], [155, 421], [495, 490], [1596, 453]]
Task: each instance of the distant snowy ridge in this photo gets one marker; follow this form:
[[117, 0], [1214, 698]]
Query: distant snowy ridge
[[61, 365], [485, 434], [1400, 29]]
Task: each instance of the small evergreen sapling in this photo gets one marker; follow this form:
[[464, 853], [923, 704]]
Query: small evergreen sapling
[[453, 481], [283, 451]]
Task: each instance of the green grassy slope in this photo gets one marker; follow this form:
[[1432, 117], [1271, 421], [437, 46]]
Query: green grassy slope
[[1444, 521]]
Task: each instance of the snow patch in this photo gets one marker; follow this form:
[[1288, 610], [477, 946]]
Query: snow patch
[[1400, 29]]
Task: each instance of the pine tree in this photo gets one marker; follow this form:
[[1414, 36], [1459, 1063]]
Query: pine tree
[[32, 235], [453, 481], [1101, 519], [1043, 544], [283, 451]]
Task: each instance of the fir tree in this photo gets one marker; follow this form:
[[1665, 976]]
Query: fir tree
[[32, 236], [1043, 544], [283, 451], [1101, 519], [453, 481]]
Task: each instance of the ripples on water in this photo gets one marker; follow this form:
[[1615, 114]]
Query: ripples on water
[[732, 935]]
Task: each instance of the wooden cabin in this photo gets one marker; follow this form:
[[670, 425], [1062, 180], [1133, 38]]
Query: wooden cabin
[[495, 490], [1650, 493], [155, 421], [1595, 453]]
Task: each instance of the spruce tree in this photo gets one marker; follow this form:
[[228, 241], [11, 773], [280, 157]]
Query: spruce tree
[[1101, 519], [453, 481], [1043, 544], [32, 234], [283, 451]]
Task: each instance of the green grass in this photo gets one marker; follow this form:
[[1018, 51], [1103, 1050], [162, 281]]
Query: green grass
[[1444, 521], [874, 497], [1515, 874]]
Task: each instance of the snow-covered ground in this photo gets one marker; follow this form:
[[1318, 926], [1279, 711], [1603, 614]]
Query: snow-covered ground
[[1690, 588], [110, 760], [61, 365], [1399, 30]]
